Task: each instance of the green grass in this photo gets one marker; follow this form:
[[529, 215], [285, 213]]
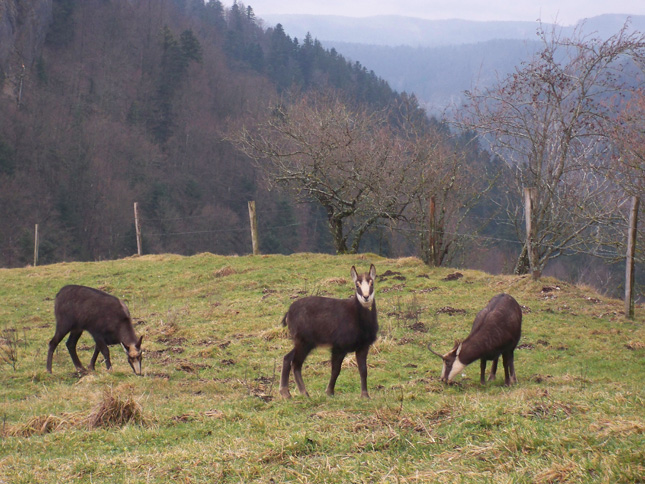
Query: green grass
[[209, 409]]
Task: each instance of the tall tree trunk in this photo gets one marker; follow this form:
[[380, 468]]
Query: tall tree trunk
[[336, 227]]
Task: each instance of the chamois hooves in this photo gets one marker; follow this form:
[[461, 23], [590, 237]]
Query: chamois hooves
[[365, 395], [284, 392]]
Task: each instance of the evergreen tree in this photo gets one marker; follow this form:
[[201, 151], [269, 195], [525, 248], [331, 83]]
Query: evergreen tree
[[174, 64], [61, 31], [190, 46]]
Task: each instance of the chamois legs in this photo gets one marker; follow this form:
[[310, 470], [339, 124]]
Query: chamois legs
[[71, 347], [286, 369], [294, 360], [509, 369], [337, 358], [361, 360], [53, 343], [102, 347], [493, 371]]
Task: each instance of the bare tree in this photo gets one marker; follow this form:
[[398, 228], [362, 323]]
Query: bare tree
[[349, 160], [549, 122], [627, 170], [629, 138], [451, 182]]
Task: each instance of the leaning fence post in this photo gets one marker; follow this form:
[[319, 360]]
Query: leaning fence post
[[137, 227], [629, 262], [254, 227], [432, 242], [36, 244]]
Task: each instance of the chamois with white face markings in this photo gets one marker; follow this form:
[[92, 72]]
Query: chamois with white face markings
[[496, 331], [346, 325], [105, 317]]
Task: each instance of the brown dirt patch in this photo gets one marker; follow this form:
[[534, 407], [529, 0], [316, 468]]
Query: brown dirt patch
[[450, 311], [418, 327], [453, 277]]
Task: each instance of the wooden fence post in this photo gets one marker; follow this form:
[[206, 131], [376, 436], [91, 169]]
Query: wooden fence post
[[530, 194], [137, 227], [629, 262], [432, 242], [36, 244], [254, 228]]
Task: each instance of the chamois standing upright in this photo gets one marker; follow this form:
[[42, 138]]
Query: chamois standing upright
[[346, 325], [496, 331], [105, 317]]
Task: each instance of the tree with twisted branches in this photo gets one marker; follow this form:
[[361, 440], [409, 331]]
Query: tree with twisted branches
[[349, 160]]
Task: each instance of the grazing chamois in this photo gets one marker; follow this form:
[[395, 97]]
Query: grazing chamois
[[347, 325], [496, 331], [105, 317]]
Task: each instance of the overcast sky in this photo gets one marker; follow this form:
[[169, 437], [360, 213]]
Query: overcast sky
[[564, 12]]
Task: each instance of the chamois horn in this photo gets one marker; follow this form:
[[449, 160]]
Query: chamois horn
[[435, 353]]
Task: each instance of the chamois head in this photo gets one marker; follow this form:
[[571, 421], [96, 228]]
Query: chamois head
[[451, 364], [364, 285], [134, 355]]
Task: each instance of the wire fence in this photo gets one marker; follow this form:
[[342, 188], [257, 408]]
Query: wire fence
[[149, 228]]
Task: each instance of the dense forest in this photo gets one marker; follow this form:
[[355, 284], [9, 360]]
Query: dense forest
[[134, 101]]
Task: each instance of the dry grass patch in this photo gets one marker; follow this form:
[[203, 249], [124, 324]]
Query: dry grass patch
[[635, 345], [568, 471], [618, 427], [192, 416], [41, 425], [224, 271], [111, 411], [272, 333], [334, 281]]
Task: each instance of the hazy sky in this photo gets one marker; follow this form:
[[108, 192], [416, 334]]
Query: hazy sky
[[564, 12]]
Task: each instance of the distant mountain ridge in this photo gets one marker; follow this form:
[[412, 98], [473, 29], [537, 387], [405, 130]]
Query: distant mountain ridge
[[439, 75], [438, 60], [395, 30]]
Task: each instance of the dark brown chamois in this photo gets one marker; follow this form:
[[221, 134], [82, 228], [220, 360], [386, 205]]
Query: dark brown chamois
[[105, 317], [347, 325], [496, 331]]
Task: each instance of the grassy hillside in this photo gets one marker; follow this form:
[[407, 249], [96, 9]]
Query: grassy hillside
[[208, 408]]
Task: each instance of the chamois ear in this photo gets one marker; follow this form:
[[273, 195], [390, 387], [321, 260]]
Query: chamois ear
[[125, 348], [354, 275], [138, 345], [372, 271]]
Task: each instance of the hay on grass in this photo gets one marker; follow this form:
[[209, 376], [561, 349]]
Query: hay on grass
[[41, 425], [114, 411], [111, 411]]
